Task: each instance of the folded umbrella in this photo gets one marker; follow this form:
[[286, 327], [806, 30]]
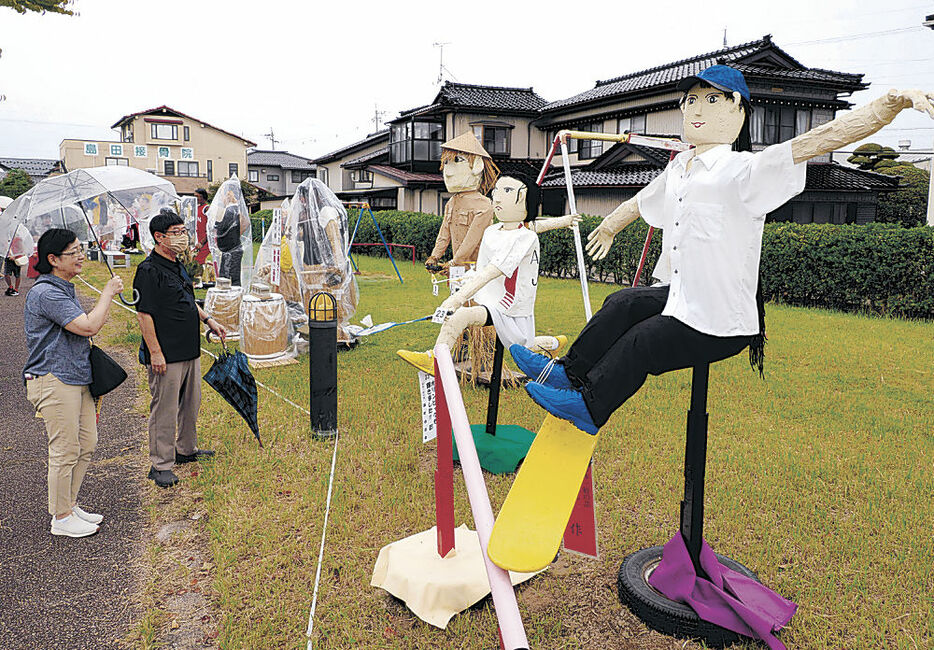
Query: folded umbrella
[[230, 376]]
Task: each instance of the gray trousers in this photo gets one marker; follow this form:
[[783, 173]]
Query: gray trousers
[[176, 398]]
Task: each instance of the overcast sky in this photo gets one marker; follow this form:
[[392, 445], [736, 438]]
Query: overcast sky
[[317, 71]]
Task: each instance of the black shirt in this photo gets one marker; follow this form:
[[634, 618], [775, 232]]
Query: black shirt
[[166, 294], [228, 230]]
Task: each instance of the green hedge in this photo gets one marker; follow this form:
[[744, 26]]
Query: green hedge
[[877, 268], [257, 219]]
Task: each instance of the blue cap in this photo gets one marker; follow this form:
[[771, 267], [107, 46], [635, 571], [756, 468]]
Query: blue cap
[[721, 77]]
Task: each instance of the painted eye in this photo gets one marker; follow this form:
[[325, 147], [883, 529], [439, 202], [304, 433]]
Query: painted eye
[[711, 99]]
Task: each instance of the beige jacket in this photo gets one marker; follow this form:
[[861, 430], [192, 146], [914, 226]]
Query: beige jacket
[[466, 216]]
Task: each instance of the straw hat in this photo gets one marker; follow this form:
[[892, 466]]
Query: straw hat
[[467, 143]]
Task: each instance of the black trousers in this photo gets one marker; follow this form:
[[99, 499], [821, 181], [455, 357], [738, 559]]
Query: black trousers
[[627, 340], [230, 265]]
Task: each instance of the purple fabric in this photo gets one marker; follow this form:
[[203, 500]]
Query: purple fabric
[[729, 599]]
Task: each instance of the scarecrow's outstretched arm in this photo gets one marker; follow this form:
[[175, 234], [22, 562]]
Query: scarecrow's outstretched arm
[[859, 123], [541, 225], [476, 282], [601, 238]]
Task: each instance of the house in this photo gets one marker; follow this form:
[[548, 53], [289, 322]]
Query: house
[[187, 151], [278, 172], [37, 168], [517, 126]]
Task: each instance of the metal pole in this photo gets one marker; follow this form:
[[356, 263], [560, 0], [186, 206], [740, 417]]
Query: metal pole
[[695, 457], [496, 380], [578, 248], [930, 216]]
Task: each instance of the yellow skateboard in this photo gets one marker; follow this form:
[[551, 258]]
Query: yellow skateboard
[[531, 523]]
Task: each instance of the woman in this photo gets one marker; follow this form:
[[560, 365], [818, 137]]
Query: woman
[[58, 373]]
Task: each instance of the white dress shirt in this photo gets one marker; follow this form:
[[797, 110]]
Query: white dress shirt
[[712, 216]]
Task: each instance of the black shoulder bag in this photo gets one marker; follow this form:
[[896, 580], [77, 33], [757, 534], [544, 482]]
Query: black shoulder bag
[[106, 374]]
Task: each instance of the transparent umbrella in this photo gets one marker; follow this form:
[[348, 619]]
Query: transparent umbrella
[[97, 204]]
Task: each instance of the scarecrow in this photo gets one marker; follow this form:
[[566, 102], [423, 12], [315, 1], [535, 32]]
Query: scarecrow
[[505, 282], [469, 174], [711, 202]]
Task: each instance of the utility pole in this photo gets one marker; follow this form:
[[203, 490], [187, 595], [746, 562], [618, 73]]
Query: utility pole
[[272, 138], [377, 117], [724, 38], [929, 23]]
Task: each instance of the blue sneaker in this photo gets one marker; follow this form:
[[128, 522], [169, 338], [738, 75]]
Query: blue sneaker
[[540, 368], [565, 404]]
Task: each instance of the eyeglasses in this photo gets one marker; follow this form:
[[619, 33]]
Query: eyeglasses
[[76, 252], [176, 231]]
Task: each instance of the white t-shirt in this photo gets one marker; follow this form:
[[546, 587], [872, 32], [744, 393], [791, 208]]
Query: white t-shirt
[[712, 216], [516, 254]]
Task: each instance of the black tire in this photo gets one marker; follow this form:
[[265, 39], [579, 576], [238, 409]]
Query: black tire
[[660, 613]]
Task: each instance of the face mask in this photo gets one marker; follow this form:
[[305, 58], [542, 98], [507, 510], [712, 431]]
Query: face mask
[[176, 243]]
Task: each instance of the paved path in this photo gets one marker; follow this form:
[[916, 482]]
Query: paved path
[[59, 592]]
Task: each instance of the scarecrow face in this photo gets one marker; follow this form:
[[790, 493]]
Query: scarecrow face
[[508, 198], [463, 174], [710, 118]]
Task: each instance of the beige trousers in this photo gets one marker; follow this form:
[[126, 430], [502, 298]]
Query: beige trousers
[[71, 422], [176, 398]]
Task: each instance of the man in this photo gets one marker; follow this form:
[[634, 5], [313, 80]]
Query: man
[[201, 232], [169, 321], [711, 203]]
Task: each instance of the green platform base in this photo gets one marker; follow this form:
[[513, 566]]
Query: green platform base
[[502, 453]]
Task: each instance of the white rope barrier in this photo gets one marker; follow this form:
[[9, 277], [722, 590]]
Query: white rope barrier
[[327, 511]]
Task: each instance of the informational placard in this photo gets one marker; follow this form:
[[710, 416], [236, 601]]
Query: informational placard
[[188, 153], [426, 385], [439, 316], [140, 151], [580, 536], [456, 277], [90, 148], [276, 235], [116, 150]]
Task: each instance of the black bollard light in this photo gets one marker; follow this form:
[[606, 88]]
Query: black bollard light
[[322, 364]]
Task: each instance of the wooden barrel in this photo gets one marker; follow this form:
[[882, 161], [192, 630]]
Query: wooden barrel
[[264, 326], [224, 306]]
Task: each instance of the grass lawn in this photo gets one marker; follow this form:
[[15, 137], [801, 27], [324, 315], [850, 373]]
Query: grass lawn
[[820, 479]]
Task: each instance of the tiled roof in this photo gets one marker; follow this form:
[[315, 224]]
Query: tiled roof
[[671, 73], [492, 98], [168, 109], [367, 157], [369, 140], [831, 176], [406, 177], [282, 159], [35, 167], [625, 175]]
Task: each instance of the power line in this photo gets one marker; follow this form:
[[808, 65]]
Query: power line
[[839, 39]]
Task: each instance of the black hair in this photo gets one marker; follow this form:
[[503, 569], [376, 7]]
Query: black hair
[[743, 141], [53, 242], [163, 221], [203, 193], [533, 193]]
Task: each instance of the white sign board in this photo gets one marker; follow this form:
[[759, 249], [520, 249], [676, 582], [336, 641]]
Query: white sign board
[[426, 384], [276, 234]]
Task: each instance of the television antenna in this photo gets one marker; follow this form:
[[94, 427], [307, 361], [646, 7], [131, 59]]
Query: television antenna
[[441, 68], [377, 117]]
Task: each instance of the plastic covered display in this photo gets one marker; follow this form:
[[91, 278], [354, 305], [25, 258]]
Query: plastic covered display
[[230, 234], [318, 235]]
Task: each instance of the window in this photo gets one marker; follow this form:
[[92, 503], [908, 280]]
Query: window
[[361, 176], [253, 176], [122, 162], [163, 131], [210, 170], [590, 148], [416, 141], [187, 168], [496, 140], [187, 134], [232, 170], [169, 168], [298, 175], [383, 202], [774, 124], [272, 177], [633, 124], [323, 175]]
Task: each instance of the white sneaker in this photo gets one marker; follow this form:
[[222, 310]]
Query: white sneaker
[[90, 517], [73, 526]]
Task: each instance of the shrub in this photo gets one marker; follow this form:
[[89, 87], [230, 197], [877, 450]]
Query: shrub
[[260, 219], [877, 268]]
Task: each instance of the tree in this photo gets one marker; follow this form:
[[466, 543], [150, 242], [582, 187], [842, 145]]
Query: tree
[[907, 205], [39, 6], [870, 155], [15, 182], [248, 191]]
